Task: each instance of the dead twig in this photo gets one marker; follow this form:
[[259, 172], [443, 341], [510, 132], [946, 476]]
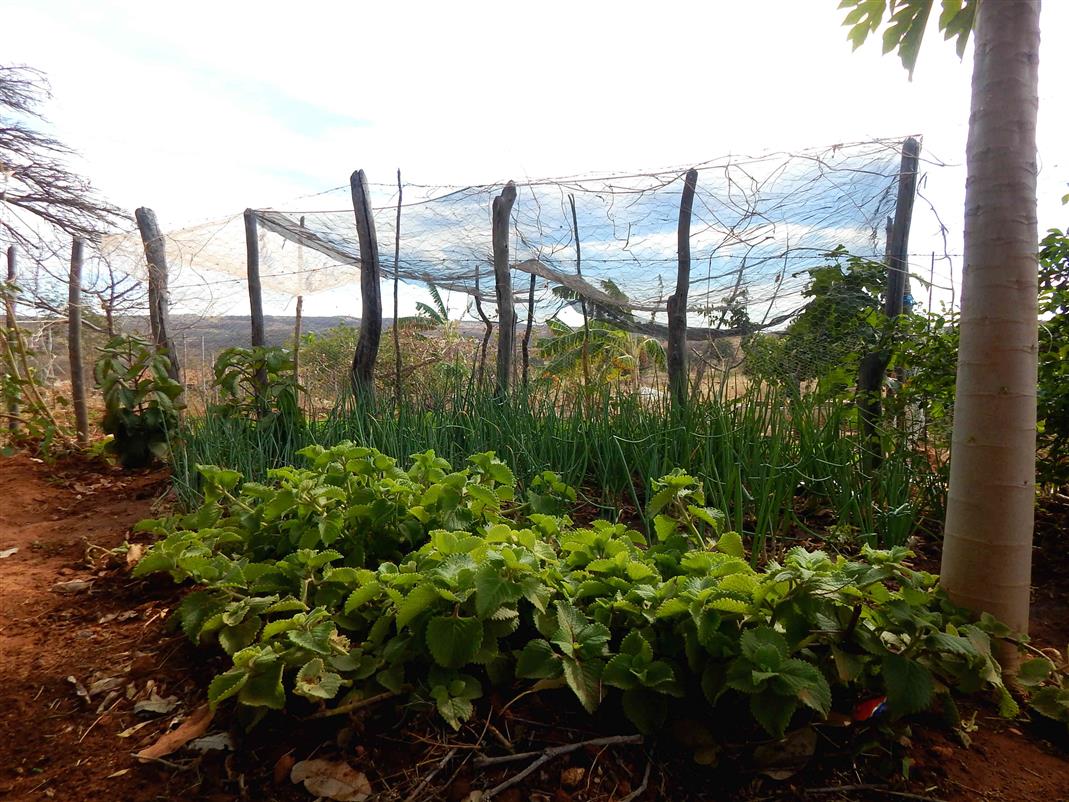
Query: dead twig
[[351, 706], [642, 788], [547, 755], [412, 797], [836, 789]]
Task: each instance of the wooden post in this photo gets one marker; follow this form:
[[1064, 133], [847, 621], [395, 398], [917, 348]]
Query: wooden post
[[527, 331], [506, 312], [362, 376], [74, 343], [398, 388], [874, 365], [158, 302], [582, 299], [297, 340], [677, 302], [486, 333], [257, 337], [11, 332]]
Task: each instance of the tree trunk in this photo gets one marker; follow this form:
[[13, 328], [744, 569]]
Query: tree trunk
[[506, 312], [367, 344], [74, 343], [677, 302], [987, 549]]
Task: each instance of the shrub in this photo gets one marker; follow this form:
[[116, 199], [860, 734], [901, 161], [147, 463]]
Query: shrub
[[353, 576]]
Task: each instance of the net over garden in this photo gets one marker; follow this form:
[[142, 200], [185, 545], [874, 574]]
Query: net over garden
[[758, 224]]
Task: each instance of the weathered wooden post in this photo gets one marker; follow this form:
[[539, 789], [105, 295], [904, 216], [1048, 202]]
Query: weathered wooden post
[[527, 332], [506, 312], [299, 312], [582, 298], [11, 332], [678, 379], [873, 366], [362, 376], [486, 332], [398, 388], [158, 301], [74, 342], [257, 338]]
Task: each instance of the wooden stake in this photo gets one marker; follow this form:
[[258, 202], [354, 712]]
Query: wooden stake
[[398, 387], [74, 343], [11, 332], [362, 376], [527, 331], [506, 312], [158, 302], [582, 300], [677, 302], [873, 366], [257, 337]]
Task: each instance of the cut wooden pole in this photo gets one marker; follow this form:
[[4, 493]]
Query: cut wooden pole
[[158, 300], [398, 387], [873, 366], [11, 332], [527, 331], [582, 299], [506, 312], [257, 337], [678, 379], [74, 342], [362, 377], [486, 332], [297, 340]]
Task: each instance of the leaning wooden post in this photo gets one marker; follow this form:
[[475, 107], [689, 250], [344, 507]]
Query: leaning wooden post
[[362, 376], [506, 312], [158, 302], [256, 302], [74, 343], [874, 365], [11, 332], [677, 302], [299, 311], [398, 387], [527, 332]]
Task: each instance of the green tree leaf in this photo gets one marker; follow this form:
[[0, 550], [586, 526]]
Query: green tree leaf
[[909, 685], [454, 641]]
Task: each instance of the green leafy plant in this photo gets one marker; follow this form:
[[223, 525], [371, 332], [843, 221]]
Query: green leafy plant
[[257, 382], [1053, 390], [353, 577], [141, 400]]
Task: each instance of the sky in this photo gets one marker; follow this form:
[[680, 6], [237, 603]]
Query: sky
[[201, 109]]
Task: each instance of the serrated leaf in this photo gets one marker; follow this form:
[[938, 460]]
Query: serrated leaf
[[585, 681], [225, 685], [454, 641], [730, 543], [492, 590], [773, 711], [263, 688], [537, 660], [909, 684], [235, 638], [419, 599], [315, 682], [361, 596]]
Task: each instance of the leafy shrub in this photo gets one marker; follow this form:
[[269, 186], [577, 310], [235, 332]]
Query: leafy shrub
[[257, 383], [353, 576], [1053, 467], [141, 400]]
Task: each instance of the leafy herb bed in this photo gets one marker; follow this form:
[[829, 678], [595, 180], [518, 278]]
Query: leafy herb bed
[[353, 577]]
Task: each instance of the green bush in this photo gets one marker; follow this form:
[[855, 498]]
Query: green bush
[[352, 577], [141, 400]]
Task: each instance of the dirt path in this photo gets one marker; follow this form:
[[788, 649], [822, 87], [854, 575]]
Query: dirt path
[[108, 642], [54, 742]]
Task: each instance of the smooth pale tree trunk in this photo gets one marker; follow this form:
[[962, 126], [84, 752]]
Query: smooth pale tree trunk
[[987, 552]]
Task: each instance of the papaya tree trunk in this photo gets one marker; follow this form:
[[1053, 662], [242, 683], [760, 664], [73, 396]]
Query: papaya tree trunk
[[987, 552]]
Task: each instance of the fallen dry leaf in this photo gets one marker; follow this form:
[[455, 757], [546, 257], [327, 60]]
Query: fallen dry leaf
[[106, 684], [131, 730], [72, 586], [193, 727], [216, 742], [784, 758], [8, 552], [157, 705], [134, 554], [334, 780], [571, 777], [282, 768], [79, 688]]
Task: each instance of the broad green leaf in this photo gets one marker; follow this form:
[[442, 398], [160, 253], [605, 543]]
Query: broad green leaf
[[909, 684], [537, 660], [315, 682], [773, 711], [225, 685], [453, 641], [585, 680]]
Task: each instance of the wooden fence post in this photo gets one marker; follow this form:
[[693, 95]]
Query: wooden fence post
[[398, 387], [506, 312], [74, 343], [11, 332], [527, 332], [873, 366], [257, 337], [582, 298], [367, 344], [158, 301], [678, 379]]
